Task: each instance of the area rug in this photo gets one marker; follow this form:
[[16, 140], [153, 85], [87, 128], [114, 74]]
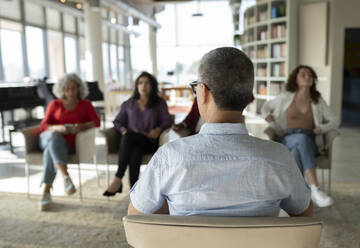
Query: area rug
[[96, 222]]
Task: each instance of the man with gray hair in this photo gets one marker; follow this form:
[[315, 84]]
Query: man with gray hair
[[222, 171]]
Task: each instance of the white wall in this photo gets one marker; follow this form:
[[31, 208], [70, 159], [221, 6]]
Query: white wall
[[344, 14]]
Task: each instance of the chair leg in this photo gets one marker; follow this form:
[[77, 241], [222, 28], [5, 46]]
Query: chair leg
[[322, 178], [27, 174], [329, 183], [97, 171], [80, 189], [108, 177]]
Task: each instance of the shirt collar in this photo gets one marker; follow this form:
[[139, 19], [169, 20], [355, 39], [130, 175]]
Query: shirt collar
[[223, 128]]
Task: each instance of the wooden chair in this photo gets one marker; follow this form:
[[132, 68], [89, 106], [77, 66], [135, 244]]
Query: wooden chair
[[323, 161], [84, 145], [163, 231]]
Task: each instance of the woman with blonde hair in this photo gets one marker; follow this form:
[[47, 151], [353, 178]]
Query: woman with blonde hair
[[64, 118], [301, 116]]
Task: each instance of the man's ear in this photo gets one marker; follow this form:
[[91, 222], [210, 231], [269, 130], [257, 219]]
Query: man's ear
[[205, 94]]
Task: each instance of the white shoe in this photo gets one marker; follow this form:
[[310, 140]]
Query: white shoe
[[320, 198], [69, 187], [45, 202]]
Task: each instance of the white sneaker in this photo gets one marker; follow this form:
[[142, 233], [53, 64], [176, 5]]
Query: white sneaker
[[45, 202], [69, 187], [320, 198]]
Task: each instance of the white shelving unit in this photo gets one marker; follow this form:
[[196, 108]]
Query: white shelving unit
[[269, 39]]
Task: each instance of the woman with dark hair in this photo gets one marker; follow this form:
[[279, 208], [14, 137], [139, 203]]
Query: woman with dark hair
[[140, 122], [300, 116]]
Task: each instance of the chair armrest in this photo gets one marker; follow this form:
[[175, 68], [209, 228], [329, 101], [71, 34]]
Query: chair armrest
[[270, 132], [85, 144], [112, 138], [164, 137], [330, 137], [31, 136]]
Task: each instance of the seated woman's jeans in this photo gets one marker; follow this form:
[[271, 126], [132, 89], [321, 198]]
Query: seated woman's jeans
[[55, 150], [301, 144]]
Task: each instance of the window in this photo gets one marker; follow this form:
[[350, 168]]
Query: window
[[70, 54], [11, 50], [10, 9], [82, 58], [106, 65], [35, 51], [140, 50], [113, 62], [188, 38], [121, 69], [34, 13], [56, 54]]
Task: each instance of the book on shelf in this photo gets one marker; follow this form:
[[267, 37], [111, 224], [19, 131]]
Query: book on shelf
[[279, 50], [278, 70], [262, 35], [262, 52], [251, 53], [278, 31], [263, 16], [261, 71], [251, 20], [278, 11], [261, 88]]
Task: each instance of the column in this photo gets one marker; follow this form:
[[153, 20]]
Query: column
[[153, 51], [93, 44]]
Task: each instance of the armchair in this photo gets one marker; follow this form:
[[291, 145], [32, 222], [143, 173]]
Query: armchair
[[162, 231], [84, 153], [323, 161]]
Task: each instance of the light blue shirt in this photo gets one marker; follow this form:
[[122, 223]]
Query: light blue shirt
[[222, 171]]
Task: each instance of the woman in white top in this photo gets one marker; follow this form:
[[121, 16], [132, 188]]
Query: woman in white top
[[300, 116]]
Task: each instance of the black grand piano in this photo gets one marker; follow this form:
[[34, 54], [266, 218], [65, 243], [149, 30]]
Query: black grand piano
[[30, 95]]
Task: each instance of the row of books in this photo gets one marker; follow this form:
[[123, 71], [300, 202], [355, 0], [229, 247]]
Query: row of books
[[251, 20], [274, 89], [262, 35], [261, 71], [278, 70], [278, 31], [278, 11], [279, 50], [263, 16], [262, 53], [261, 88]]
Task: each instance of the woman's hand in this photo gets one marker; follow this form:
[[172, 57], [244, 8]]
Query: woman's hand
[[58, 128], [78, 127], [155, 133], [270, 118], [124, 132], [317, 130]]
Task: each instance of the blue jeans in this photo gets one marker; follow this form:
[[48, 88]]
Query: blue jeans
[[55, 150], [301, 144]]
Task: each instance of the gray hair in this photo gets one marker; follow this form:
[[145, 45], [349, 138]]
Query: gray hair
[[60, 86], [229, 74]]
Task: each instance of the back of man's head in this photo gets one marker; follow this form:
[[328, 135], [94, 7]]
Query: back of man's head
[[229, 74]]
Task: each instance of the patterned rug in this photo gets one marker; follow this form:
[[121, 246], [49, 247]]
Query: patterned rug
[[96, 222]]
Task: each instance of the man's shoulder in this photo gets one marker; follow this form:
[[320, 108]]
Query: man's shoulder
[[270, 149]]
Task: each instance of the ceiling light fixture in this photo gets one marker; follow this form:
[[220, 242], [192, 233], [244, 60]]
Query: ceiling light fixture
[[198, 11]]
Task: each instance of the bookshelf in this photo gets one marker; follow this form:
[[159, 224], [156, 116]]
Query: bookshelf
[[270, 40]]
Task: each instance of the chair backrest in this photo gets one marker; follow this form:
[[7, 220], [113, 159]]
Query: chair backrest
[[160, 231]]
